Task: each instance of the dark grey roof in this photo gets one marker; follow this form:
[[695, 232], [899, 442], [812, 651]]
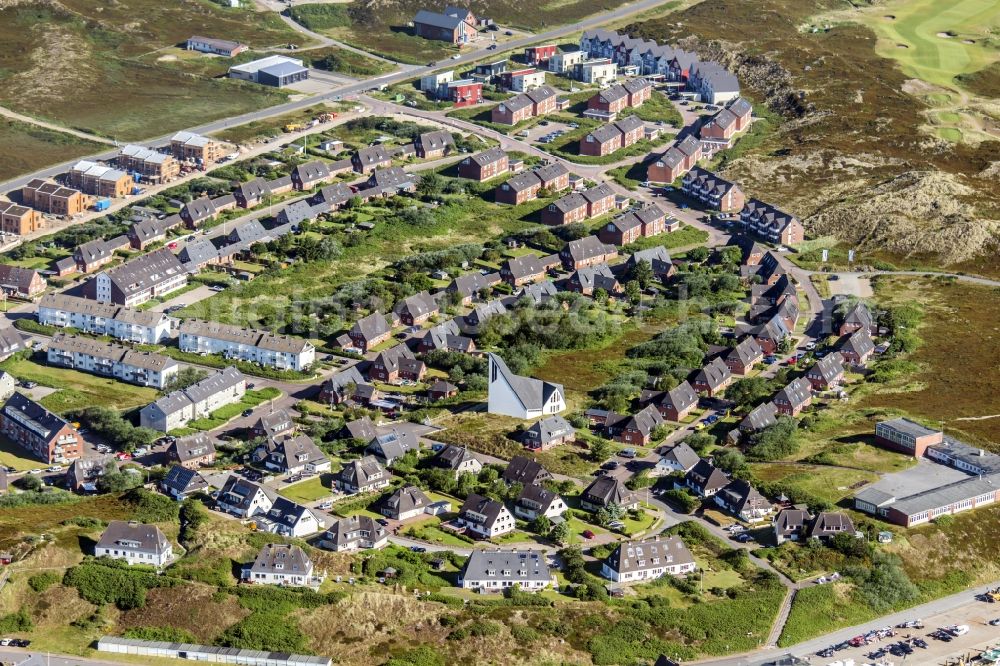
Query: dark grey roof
[[417, 305], [310, 172], [437, 20], [184, 481], [282, 558], [537, 495], [371, 327], [193, 446], [541, 93], [714, 374], [488, 156], [523, 266], [654, 553], [761, 417], [830, 524], [393, 445], [604, 133], [523, 181], [605, 490], [628, 124], [145, 272], [746, 351], [361, 472], [406, 499], [11, 341], [436, 140], [140, 537], [524, 470], [549, 428], [516, 566], [452, 457], [587, 248], [683, 455], [549, 172], [790, 521], [797, 392], [860, 342], [828, 368], [706, 477], [739, 495], [362, 428], [489, 509]]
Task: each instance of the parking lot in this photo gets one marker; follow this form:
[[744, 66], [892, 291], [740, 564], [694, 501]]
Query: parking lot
[[978, 637], [537, 133]]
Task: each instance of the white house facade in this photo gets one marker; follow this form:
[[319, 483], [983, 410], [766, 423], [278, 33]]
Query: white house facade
[[521, 397]]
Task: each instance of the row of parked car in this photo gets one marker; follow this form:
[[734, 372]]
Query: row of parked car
[[15, 642]]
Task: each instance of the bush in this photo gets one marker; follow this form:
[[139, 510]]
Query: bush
[[106, 581], [261, 630], [424, 655], [776, 441], [149, 507], [167, 634], [16, 622], [884, 585], [43, 581], [682, 499], [36, 498]]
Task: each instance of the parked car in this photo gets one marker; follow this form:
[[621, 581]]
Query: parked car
[[627, 453], [418, 549], [587, 534], [995, 623], [770, 360], [247, 412]]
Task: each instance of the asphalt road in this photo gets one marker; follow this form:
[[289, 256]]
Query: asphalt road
[[353, 88]]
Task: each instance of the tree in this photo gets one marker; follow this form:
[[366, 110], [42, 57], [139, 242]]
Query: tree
[[541, 525], [185, 377], [600, 450], [776, 441], [785, 345], [633, 292], [431, 185], [700, 441], [31, 483], [560, 533], [698, 254], [748, 391], [601, 296], [642, 272], [728, 460]]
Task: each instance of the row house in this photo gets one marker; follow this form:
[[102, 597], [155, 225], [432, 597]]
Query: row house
[[826, 373], [658, 259], [43, 434], [282, 352], [198, 211], [857, 348], [148, 165], [539, 55], [177, 408], [370, 331], [646, 222], [712, 191], [150, 230], [472, 285], [619, 134], [484, 166], [793, 398], [537, 102], [526, 186], [395, 364], [191, 147], [464, 92], [415, 310], [636, 429], [771, 223], [19, 220], [522, 270], [23, 283], [588, 280], [110, 360], [92, 255], [713, 83], [587, 251], [100, 180], [858, 318], [675, 162], [770, 334], [432, 145], [648, 57], [674, 404], [713, 378], [89, 316], [724, 125], [744, 356], [367, 160], [54, 199], [252, 193], [309, 175]]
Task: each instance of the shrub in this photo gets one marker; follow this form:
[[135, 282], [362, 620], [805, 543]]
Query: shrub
[[682, 499], [148, 507], [113, 582], [524, 634], [263, 630], [484, 628], [424, 655], [43, 581], [37, 497], [16, 622], [168, 634]]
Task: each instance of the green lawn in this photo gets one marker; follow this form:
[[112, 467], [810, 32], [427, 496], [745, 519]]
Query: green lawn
[[822, 608], [78, 389], [430, 531], [306, 491], [14, 456]]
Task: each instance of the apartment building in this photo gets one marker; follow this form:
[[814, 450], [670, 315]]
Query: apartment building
[[176, 409], [770, 222], [53, 198], [282, 352], [100, 180], [19, 220], [111, 360], [150, 165], [135, 282], [46, 436], [88, 316], [190, 147]]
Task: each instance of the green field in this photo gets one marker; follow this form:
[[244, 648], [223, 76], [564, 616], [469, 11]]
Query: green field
[[941, 42], [78, 389], [87, 65], [29, 147], [307, 491]]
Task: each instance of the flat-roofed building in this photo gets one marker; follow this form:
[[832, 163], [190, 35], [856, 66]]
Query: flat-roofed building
[[191, 147], [150, 165], [19, 220]]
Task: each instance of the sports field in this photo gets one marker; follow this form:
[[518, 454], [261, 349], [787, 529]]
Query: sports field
[[941, 42]]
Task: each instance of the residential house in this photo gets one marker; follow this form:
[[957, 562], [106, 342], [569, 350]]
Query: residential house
[[441, 390], [521, 397], [92, 255], [462, 93], [794, 398], [289, 519], [432, 82], [7, 384], [536, 501], [588, 280], [11, 342], [675, 162], [566, 210], [704, 479], [539, 55], [100, 180], [771, 223], [177, 408], [525, 471], [586, 251], [457, 459], [496, 570], [713, 82], [674, 404], [252, 193], [244, 499], [446, 336], [361, 430], [565, 61], [23, 283], [548, 432], [471, 285], [678, 458], [367, 160], [828, 524], [554, 176], [405, 504], [135, 543], [519, 189], [415, 310], [484, 166], [281, 564], [539, 293], [639, 91], [273, 424], [658, 259], [48, 197], [605, 491], [19, 220], [790, 525], [599, 72], [395, 364], [744, 356], [370, 331], [522, 270], [293, 455], [743, 501], [827, 372], [636, 429], [857, 348], [537, 102], [522, 80], [391, 446], [181, 482], [193, 451], [432, 145], [354, 533], [149, 230], [198, 211], [222, 47], [601, 141], [190, 147], [859, 317], [635, 561], [485, 518], [713, 378], [760, 417], [282, 352], [600, 200], [83, 473], [361, 476], [340, 387]]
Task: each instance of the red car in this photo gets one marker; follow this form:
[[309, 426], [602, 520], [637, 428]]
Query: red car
[[172, 246], [123, 455], [587, 534]]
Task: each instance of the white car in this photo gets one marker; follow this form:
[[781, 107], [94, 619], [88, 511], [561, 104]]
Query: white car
[[810, 346], [958, 630], [35, 471], [456, 56]]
